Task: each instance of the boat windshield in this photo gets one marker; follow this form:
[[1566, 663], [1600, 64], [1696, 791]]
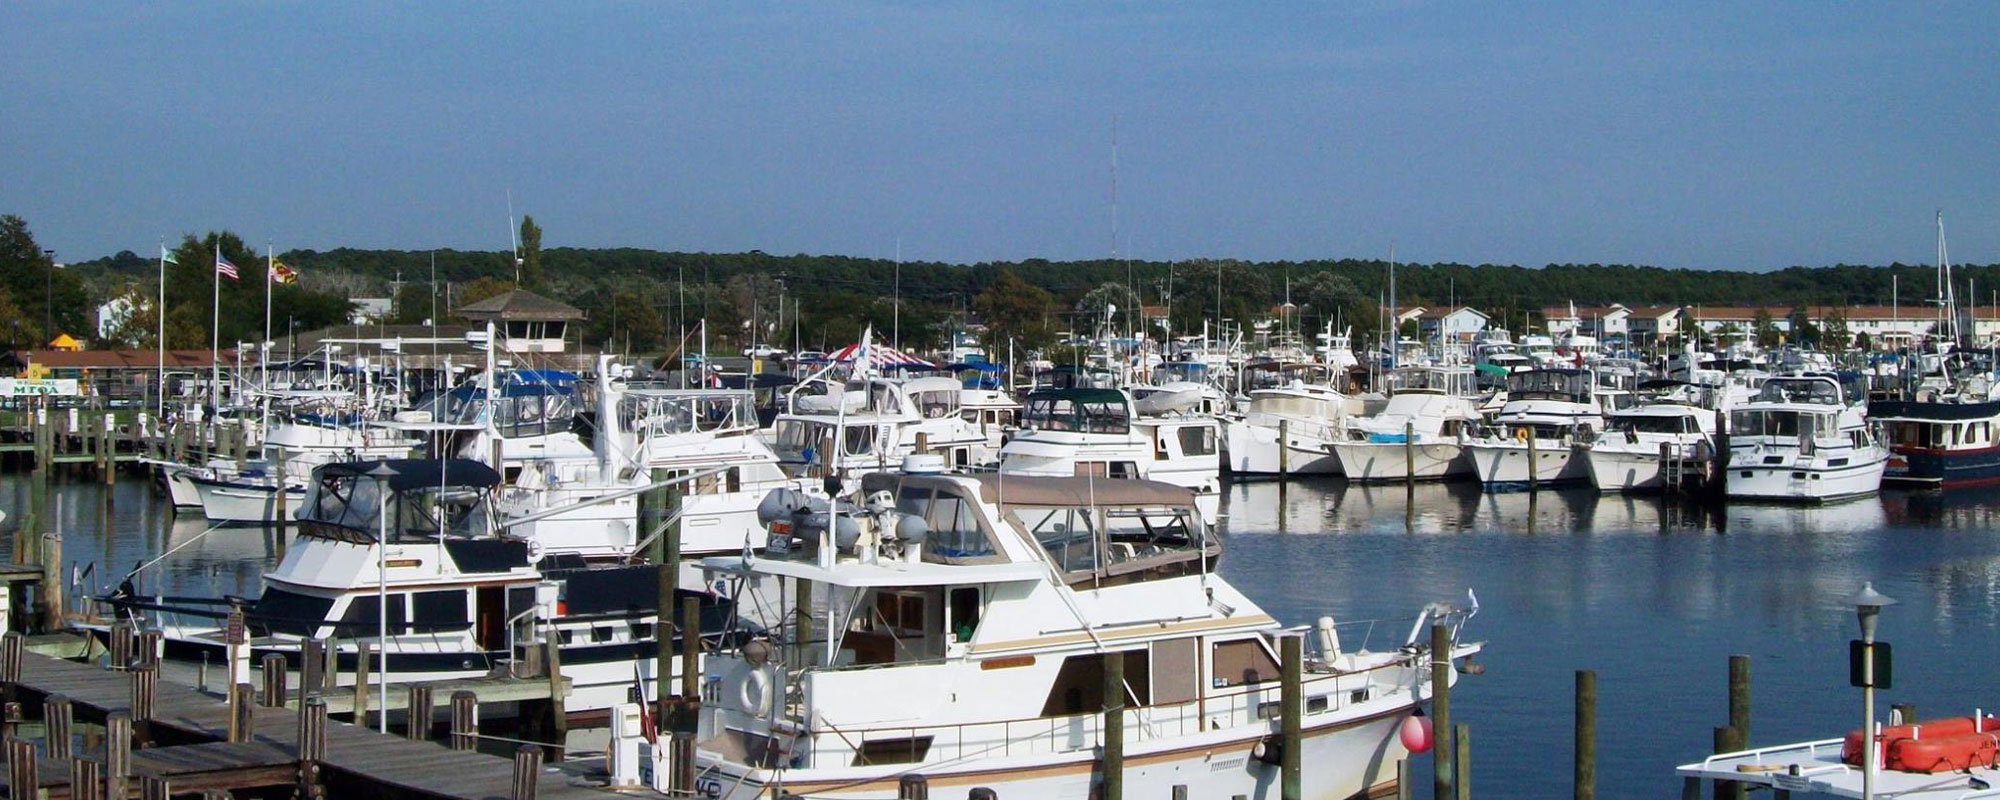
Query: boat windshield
[[1083, 541], [1651, 424], [1542, 384], [1773, 422], [666, 412], [1795, 390], [1079, 412]]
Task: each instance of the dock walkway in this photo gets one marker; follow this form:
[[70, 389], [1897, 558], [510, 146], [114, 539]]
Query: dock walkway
[[185, 742]]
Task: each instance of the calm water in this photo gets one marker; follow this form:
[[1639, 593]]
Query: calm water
[[1652, 595]]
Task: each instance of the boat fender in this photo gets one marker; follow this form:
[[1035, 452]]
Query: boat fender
[[753, 692]]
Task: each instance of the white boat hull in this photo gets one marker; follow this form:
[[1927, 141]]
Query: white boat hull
[[227, 503], [1340, 761], [1508, 462], [1255, 450], [1623, 470], [180, 486], [1392, 461], [1809, 480]]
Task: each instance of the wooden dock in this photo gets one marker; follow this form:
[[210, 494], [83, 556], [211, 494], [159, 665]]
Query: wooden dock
[[161, 738]]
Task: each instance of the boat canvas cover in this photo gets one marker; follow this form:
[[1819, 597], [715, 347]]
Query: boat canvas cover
[[418, 473]]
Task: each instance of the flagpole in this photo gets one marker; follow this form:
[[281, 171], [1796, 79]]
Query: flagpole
[[160, 344], [215, 333], [263, 355]]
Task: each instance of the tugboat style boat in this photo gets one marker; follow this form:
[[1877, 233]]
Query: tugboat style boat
[[1799, 440], [960, 628]]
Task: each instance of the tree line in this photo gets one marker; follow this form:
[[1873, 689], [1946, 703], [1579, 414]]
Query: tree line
[[640, 300]]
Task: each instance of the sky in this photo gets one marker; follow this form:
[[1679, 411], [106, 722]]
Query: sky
[[1687, 134]]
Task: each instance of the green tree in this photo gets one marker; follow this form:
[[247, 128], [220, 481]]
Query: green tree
[[1833, 331], [1327, 297], [1014, 310], [135, 325], [1113, 303], [531, 253], [1764, 328], [199, 296], [49, 300]]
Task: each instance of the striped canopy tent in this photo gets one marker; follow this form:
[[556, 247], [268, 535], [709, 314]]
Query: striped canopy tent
[[881, 358]]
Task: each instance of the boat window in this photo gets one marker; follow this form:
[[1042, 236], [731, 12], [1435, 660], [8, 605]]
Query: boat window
[[964, 609], [902, 750], [1197, 441], [1079, 685], [1067, 534], [955, 531], [1176, 673], [280, 611], [1649, 424], [363, 619], [937, 405], [1241, 662], [913, 500], [1062, 413], [859, 440], [1137, 535], [439, 609]]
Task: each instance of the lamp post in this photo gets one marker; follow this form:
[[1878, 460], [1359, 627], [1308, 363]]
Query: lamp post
[[382, 473], [1868, 606], [49, 297]]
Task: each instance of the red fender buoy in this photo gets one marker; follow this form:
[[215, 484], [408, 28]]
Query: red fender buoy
[[1416, 733]]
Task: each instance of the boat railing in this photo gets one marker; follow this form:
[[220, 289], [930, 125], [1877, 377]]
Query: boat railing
[[1323, 431], [1324, 693], [1812, 750]]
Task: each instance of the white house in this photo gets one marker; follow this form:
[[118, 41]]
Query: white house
[[113, 313], [369, 310], [1462, 323]]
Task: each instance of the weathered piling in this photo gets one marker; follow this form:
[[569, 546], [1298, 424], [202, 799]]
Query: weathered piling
[[1739, 697], [274, 680], [913, 787], [1727, 741], [1441, 712], [527, 771], [464, 720], [1534, 470], [1586, 735], [242, 712], [1461, 762], [21, 764], [422, 706], [691, 649], [50, 592], [556, 719], [361, 657], [1113, 787], [117, 753], [312, 669], [86, 779], [1291, 704], [58, 718]]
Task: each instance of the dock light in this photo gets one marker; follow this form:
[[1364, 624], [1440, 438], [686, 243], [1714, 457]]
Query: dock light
[[1868, 605]]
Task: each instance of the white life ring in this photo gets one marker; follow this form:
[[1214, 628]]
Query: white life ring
[[753, 692], [534, 550]]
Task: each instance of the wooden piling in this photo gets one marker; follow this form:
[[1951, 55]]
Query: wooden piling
[[1291, 704], [1113, 787], [691, 649], [1461, 762], [527, 771], [151, 642], [50, 592], [1727, 742], [312, 668], [242, 712], [1284, 448], [13, 647], [1739, 698], [154, 787], [464, 720], [312, 730], [21, 766], [281, 516], [58, 718], [1409, 454], [916, 787], [1534, 476], [1441, 712], [117, 753], [362, 651], [421, 707], [557, 723], [1586, 735], [274, 680], [681, 760], [1403, 778], [86, 779], [145, 687]]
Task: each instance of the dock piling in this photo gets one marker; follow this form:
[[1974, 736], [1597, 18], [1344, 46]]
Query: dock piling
[[117, 753], [242, 711], [1114, 727], [556, 718], [1726, 741], [464, 720], [913, 787], [21, 764], [1291, 704], [274, 680], [1461, 762], [1441, 712], [1534, 467], [422, 707], [152, 787], [86, 779], [1403, 778], [362, 652], [312, 669], [1586, 735], [1739, 698], [151, 642], [691, 649], [527, 771], [51, 589], [58, 717]]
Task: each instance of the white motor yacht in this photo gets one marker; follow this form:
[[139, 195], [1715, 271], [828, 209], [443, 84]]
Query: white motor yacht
[[1637, 443], [1418, 435], [1098, 432], [1548, 412], [959, 628], [1799, 440]]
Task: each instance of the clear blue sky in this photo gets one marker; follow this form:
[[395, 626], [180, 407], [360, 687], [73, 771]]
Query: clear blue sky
[[1680, 134]]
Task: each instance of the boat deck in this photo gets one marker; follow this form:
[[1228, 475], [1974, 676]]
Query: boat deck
[[1815, 767]]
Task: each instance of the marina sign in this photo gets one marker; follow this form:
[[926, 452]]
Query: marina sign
[[27, 387]]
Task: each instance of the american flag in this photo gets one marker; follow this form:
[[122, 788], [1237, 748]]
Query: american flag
[[223, 267]]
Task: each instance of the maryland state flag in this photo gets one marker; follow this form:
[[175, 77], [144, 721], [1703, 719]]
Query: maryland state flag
[[283, 274]]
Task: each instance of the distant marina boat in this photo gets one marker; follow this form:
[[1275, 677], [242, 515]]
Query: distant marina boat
[[1799, 440], [1943, 444]]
